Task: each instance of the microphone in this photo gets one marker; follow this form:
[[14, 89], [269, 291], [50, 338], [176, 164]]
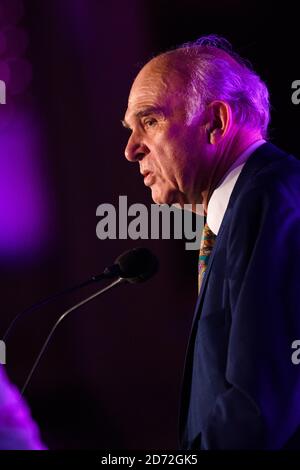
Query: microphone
[[136, 265], [133, 266]]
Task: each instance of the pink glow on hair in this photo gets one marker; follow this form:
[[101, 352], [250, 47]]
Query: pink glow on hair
[[214, 72]]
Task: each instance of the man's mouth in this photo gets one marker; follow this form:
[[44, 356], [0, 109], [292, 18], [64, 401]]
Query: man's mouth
[[148, 178]]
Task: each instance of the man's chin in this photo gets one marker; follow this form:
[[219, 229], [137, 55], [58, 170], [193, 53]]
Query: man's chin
[[162, 198], [157, 198]]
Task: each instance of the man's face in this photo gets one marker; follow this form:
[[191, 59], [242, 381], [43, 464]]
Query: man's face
[[172, 154]]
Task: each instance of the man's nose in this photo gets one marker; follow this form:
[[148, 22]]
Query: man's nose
[[135, 149]]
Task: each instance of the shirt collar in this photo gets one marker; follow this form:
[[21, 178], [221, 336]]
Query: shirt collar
[[218, 202]]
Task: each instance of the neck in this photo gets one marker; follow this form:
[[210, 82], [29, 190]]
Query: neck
[[226, 154]]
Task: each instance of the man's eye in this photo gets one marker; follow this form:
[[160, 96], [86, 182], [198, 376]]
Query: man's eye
[[150, 122]]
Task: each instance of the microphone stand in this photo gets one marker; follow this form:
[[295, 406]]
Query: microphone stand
[[107, 274], [75, 307]]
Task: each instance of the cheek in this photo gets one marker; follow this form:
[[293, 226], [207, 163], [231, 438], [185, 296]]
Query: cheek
[[170, 155], [169, 164]]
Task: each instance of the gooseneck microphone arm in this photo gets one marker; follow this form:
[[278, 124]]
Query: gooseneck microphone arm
[[75, 307], [136, 265], [108, 273], [133, 266]]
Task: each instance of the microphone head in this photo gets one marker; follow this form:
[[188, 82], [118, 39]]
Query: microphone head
[[137, 265]]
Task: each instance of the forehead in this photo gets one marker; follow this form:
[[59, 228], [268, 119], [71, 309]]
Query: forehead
[[155, 86]]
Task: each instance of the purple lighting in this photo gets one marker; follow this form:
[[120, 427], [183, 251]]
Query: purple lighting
[[10, 12], [14, 41], [22, 196], [2, 42], [17, 429], [4, 71], [20, 75], [24, 213]]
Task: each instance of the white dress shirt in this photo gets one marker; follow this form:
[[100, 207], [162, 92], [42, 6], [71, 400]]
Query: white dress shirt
[[220, 197]]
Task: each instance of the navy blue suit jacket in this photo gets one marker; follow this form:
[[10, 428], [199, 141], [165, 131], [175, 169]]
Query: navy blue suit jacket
[[240, 388]]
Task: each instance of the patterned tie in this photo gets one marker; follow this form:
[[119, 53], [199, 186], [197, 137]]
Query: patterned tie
[[206, 245]]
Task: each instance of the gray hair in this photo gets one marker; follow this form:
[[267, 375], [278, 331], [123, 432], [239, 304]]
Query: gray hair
[[215, 72]]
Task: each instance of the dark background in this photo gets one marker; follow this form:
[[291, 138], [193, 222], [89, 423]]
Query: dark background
[[111, 375]]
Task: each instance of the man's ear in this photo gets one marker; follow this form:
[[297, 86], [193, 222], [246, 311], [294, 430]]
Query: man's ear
[[219, 121]]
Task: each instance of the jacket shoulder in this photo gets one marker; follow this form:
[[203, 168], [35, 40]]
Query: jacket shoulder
[[272, 174]]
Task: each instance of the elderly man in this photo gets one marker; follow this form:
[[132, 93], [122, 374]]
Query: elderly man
[[198, 117]]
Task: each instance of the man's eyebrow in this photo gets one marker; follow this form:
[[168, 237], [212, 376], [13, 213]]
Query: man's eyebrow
[[145, 112], [150, 110]]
